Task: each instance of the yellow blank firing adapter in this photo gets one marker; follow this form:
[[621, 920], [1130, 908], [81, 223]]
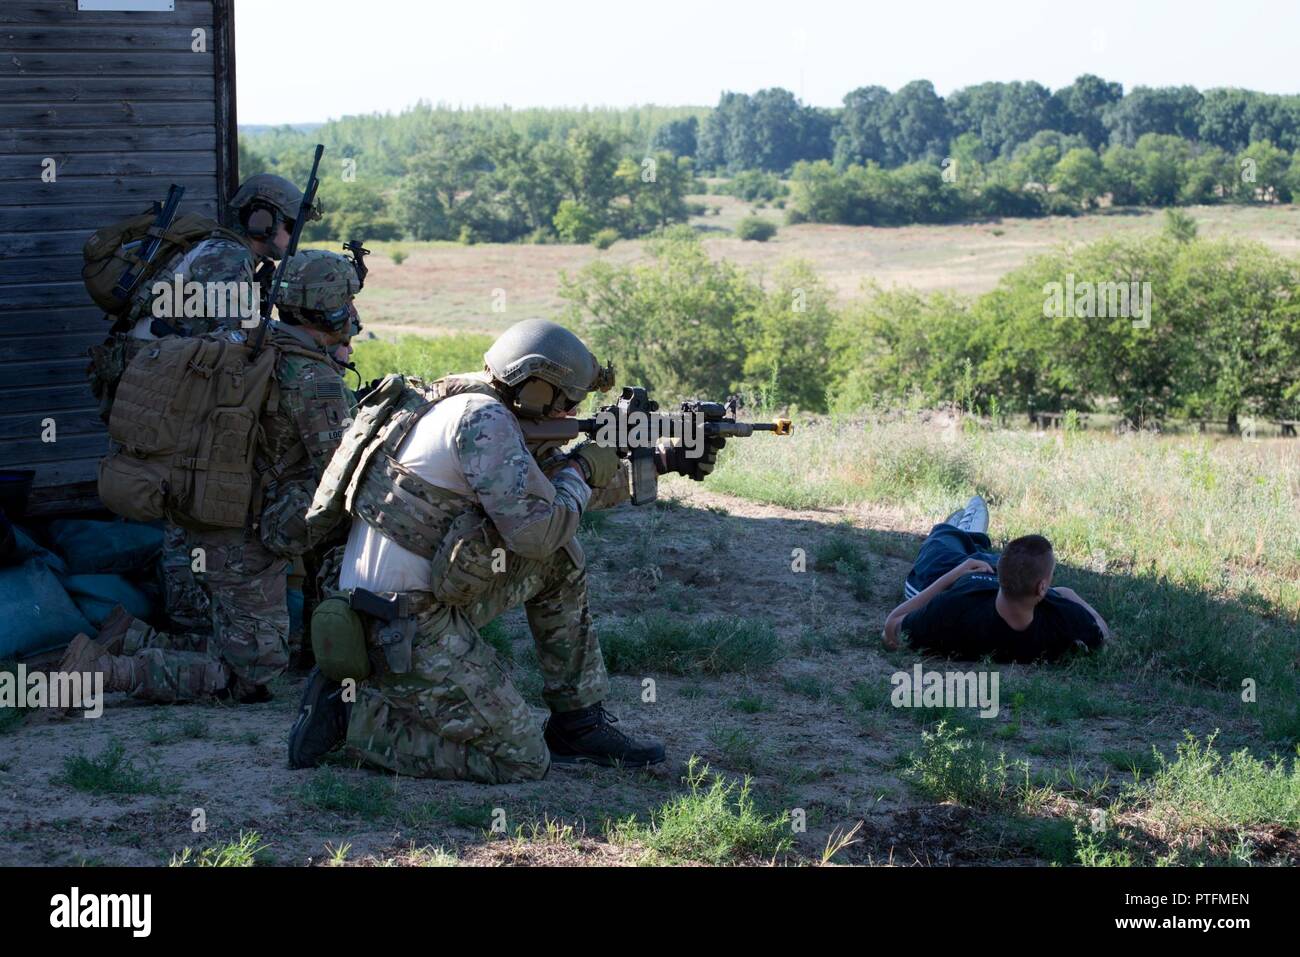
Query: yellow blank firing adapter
[[783, 427]]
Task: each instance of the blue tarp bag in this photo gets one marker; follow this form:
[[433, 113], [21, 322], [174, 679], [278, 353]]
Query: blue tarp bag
[[106, 548], [97, 595], [36, 613]]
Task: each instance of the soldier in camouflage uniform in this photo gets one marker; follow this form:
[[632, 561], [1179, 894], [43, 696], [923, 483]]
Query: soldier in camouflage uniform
[[244, 571], [438, 703], [262, 215]]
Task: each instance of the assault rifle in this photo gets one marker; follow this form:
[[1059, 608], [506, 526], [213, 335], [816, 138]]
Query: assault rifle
[[633, 424], [304, 210]]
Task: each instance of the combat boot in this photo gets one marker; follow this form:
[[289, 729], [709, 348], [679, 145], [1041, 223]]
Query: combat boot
[[588, 736], [322, 722], [112, 633], [84, 655]]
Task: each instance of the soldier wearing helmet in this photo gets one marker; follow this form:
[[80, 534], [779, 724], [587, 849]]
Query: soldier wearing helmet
[[262, 213], [243, 576], [453, 522], [234, 258]]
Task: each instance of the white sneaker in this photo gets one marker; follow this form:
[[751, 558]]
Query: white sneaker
[[974, 517]]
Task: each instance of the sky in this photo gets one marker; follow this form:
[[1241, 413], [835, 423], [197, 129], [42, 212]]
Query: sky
[[366, 56]]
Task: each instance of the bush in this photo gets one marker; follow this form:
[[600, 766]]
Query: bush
[[632, 315], [398, 256], [604, 238], [756, 228], [575, 222]]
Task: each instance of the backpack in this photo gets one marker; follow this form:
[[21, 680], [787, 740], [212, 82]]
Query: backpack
[[187, 422], [116, 248]]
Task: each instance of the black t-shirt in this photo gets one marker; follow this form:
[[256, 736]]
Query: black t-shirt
[[963, 623]]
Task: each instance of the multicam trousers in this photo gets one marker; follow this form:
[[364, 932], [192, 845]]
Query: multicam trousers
[[456, 714], [247, 646], [184, 599]]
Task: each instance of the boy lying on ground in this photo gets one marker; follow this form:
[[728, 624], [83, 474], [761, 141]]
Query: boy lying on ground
[[965, 602]]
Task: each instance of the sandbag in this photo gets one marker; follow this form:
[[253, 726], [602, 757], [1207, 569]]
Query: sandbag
[[36, 613], [26, 548], [103, 548], [97, 595]]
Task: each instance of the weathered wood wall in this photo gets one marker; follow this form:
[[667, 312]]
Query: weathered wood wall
[[124, 107]]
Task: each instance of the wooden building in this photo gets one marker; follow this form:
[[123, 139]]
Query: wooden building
[[103, 104]]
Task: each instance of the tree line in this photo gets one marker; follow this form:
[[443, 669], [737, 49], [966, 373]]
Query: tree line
[[1148, 328], [771, 130], [477, 178], [883, 158]]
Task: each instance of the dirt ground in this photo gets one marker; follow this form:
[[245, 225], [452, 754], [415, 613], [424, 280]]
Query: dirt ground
[[821, 737]]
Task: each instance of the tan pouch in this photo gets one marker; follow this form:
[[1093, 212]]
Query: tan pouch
[[462, 567]]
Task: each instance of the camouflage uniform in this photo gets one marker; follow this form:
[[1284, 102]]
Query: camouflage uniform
[[455, 713], [218, 259], [245, 575]]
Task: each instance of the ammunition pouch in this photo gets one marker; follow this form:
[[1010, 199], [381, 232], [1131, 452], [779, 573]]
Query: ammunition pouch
[[461, 568], [338, 640]]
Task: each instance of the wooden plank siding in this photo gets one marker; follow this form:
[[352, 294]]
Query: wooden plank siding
[[124, 107]]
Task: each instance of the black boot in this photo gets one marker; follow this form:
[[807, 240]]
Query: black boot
[[588, 735], [322, 721]]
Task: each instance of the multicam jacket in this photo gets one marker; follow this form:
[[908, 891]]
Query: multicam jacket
[[302, 425], [219, 259]]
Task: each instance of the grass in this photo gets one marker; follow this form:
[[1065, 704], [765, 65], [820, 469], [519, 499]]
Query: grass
[[712, 646], [426, 357], [714, 822], [844, 556], [366, 797], [495, 634], [739, 749], [951, 767], [1189, 546], [246, 851], [110, 772], [1201, 788]]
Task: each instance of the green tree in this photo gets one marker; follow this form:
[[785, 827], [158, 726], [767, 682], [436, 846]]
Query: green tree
[[786, 338], [673, 323], [1080, 176]]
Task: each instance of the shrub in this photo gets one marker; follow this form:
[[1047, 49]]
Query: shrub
[[604, 238], [756, 228]]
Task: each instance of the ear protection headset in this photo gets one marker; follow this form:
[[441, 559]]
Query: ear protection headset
[[260, 220], [535, 398]]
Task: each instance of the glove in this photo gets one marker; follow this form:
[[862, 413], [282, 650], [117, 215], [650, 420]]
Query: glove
[[672, 456], [598, 463]]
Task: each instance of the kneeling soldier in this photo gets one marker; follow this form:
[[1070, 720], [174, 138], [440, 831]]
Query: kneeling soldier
[[453, 523], [244, 570]]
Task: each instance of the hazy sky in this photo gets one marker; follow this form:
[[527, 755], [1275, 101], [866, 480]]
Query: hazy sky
[[363, 56]]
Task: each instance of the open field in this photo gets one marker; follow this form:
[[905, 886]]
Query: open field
[[447, 287], [1189, 546]]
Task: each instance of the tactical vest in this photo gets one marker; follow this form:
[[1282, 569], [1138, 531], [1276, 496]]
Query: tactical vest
[[365, 480], [187, 421]]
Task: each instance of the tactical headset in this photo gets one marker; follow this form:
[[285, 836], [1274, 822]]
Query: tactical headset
[[261, 221], [536, 399]]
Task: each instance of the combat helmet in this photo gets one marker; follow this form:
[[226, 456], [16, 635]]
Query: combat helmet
[[320, 283], [264, 202], [540, 349]]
